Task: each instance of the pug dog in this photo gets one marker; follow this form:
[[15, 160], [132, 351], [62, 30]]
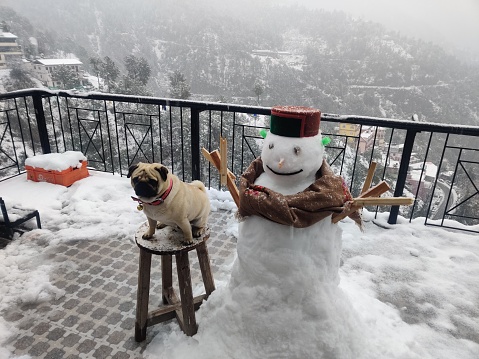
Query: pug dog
[[166, 200]]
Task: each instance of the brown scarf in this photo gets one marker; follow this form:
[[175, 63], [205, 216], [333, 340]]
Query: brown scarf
[[327, 195]]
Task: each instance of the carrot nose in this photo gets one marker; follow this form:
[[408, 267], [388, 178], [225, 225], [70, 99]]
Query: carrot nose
[[281, 163]]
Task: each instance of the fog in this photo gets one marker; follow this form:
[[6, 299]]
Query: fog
[[453, 24]]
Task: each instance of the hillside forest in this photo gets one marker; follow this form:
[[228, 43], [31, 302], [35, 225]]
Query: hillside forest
[[265, 55]]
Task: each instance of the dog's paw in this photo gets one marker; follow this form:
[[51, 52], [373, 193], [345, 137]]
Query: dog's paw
[[147, 235], [197, 232], [187, 241]]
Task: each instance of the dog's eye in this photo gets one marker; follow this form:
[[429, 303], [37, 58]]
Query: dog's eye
[[271, 146], [152, 182], [135, 180], [297, 150]]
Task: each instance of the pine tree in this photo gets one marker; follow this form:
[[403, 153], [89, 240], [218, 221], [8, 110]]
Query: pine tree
[[19, 79], [258, 91], [129, 86], [138, 69], [66, 76], [110, 72], [179, 88]]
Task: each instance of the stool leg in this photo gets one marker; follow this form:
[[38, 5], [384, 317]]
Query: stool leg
[[186, 293], [142, 295], [166, 276], [204, 261]]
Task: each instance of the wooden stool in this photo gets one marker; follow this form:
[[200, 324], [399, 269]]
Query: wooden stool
[[167, 242]]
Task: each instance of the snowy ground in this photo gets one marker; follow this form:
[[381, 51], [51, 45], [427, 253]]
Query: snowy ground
[[414, 288]]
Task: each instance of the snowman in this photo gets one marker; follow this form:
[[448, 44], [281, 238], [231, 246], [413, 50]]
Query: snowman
[[287, 198], [283, 299], [289, 249], [283, 294]]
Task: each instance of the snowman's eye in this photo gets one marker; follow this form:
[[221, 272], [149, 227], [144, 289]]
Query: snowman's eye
[[297, 150], [271, 146]]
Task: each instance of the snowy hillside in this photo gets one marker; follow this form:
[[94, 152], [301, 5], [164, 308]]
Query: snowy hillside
[[302, 57]]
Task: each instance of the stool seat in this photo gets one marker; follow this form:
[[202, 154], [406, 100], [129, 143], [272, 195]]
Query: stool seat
[[167, 242]]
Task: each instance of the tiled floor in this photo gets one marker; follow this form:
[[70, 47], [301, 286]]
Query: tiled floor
[[96, 316]]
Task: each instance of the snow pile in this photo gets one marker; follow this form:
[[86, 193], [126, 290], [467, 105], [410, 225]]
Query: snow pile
[[56, 161], [410, 291]]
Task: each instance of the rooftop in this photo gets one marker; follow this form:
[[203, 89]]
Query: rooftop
[[7, 35], [53, 62]]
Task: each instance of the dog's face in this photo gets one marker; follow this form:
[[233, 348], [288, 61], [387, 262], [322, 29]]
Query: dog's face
[[148, 179]]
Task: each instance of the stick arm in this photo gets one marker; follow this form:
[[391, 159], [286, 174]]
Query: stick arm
[[215, 159]]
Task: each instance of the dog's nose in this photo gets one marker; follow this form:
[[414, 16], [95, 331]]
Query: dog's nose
[[143, 189]]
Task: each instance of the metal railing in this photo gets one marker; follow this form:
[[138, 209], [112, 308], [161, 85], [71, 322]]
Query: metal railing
[[435, 163]]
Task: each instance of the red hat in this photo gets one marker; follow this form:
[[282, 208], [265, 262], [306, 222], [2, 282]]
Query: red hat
[[295, 121]]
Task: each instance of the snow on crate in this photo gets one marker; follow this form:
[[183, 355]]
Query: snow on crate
[[57, 168]]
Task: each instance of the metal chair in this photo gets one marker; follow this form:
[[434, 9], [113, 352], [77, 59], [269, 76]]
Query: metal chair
[[20, 216]]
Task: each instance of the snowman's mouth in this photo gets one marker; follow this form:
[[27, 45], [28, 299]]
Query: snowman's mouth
[[284, 174]]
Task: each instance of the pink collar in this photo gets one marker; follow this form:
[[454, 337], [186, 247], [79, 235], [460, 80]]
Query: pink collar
[[158, 200]]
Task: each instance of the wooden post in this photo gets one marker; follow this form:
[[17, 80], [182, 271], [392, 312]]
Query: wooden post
[[186, 293], [143, 295], [204, 261], [215, 159], [369, 177], [370, 196], [388, 201], [166, 276]]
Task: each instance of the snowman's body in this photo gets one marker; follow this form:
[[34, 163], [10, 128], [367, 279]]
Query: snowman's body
[[282, 270], [318, 245]]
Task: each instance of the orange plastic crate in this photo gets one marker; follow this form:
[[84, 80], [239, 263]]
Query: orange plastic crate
[[65, 178]]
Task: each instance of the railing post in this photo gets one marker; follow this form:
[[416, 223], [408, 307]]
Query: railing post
[[41, 123], [195, 144], [402, 174]]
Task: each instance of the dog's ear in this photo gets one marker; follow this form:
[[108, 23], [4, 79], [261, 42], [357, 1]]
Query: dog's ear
[[131, 169], [163, 172]]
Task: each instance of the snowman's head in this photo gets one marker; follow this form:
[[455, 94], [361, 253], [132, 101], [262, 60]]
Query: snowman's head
[[293, 149], [292, 158]]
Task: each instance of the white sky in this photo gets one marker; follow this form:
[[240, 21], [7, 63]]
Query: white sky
[[452, 23]]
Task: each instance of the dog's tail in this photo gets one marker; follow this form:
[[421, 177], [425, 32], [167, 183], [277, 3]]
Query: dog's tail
[[200, 185]]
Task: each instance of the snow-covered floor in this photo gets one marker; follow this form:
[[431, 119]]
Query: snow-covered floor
[[413, 287]]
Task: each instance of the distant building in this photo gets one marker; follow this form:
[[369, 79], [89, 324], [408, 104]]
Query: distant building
[[393, 166], [348, 130], [10, 51], [395, 152], [43, 70], [367, 138], [421, 175]]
